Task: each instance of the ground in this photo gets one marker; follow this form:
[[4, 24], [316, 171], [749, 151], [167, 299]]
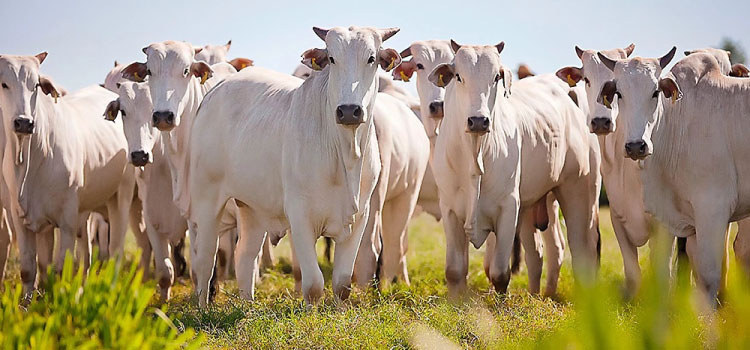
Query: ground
[[398, 317]]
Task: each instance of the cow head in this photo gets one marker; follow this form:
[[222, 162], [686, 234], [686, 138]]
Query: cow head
[[171, 69], [22, 87], [425, 56], [113, 77], [721, 56], [351, 57], [639, 88], [134, 106], [601, 120], [213, 54]]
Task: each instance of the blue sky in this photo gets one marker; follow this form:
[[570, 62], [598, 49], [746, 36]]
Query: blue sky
[[83, 38]]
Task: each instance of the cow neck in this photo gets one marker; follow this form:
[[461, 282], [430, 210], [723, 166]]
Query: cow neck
[[345, 147], [502, 127]]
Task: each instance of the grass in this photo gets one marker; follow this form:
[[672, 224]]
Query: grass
[[419, 316]]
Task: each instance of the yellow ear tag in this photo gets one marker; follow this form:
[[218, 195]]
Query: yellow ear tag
[[440, 80], [137, 78], [54, 95], [571, 82], [243, 66], [315, 66], [607, 103], [204, 77], [404, 77], [390, 66], [674, 97]]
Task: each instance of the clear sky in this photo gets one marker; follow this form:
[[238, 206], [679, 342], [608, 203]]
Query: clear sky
[[83, 38]]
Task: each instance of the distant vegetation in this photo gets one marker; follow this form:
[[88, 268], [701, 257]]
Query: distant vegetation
[[735, 48]]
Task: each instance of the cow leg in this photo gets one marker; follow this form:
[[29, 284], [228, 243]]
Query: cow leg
[[5, 240], [710, 232], [224, 256], [248, 248], [579, 205], [344, 256], [371, 246], [296, 272], [163, 267], [118, 208], [396, 214], [44, 241], [505, 230], [304, 248], [27, 244], [629, 256], [83, 239], [137, 225], [532, 249], [68, 231], [554, 246], [456, 254], [489, 252], [267, 259], [742, 245], [206, 244]]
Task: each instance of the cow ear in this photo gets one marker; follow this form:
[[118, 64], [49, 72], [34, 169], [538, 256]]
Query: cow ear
[[404, 71], [739, 70], [315, 59], [40, 57], [48, 87], [197, 50], [442, 74], [570, 75], [668, 86], [228, 45], [507, 78], [629, 50], [389, 59], [201, 70], [241, 63], [136, 71], [607, 95], [113, 108]]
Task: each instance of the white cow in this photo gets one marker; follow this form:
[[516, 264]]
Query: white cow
[[68, 146], [317, 146], [691, 164], [404, 153], [213, 54], [165, 225], [426, 56], [500, 151]]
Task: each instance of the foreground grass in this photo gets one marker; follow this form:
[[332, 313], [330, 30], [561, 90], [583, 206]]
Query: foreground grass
[[419, 316]]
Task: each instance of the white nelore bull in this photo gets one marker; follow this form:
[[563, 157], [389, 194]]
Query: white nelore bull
[[691, 164], [426, 56], [317, 146], [500, 151], [74, 162], [165, 226]]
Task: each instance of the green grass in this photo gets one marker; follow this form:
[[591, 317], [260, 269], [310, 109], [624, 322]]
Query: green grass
[[419, 316]]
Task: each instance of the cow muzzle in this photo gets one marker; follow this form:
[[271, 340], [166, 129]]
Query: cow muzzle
[[139, 158], [478, 125], [349, 115], [163, 120], [601, 126], [23, 126], [436, 109], [637, 150]]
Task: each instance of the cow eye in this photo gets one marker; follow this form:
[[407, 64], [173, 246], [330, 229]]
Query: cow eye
[[618, 94], [497, 77], [186, 72], [420, 66], [458, 78], [371, 60], [148, 72], [122, 111], [656, 94], [588, 83], [331, 60], [5, 86]]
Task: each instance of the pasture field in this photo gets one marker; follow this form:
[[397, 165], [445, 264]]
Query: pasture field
[[419, 316]]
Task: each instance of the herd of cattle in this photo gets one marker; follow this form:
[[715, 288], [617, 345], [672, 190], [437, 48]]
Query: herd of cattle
[[237, 157]]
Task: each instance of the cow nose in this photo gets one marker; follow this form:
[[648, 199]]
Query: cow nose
[[601, 126], [139, 158], [636, 150], [479, 124], [349, 114], [436, 109], [163, 120], [23, 126]]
